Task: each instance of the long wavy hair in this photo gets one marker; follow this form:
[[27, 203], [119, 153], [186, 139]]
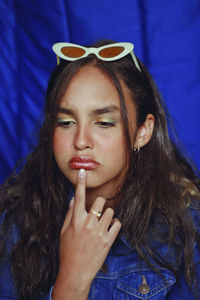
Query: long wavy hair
[[160, 185]]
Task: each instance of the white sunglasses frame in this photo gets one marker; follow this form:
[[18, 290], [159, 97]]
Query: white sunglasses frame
[[128, 49]]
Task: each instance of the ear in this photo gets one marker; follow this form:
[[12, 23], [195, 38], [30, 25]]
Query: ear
[[145, 131]]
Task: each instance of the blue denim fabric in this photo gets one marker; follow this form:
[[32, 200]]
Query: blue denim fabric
[[124, 277], [126, 274]]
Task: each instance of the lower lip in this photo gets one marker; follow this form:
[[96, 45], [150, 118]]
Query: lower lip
[[83, 165]]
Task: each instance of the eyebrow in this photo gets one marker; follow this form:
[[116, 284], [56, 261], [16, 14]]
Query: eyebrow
[[97, 111]]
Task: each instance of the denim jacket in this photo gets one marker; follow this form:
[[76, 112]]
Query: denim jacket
[[126, 277]]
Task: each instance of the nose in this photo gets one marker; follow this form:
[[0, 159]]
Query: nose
[[83, 138]]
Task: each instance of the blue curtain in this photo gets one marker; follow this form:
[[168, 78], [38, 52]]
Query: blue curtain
[[166, 35]]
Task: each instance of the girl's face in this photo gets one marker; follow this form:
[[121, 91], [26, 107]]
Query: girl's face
[[89, 131]]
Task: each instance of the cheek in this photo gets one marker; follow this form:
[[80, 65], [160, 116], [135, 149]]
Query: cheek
[[113, 149], [60, 143]]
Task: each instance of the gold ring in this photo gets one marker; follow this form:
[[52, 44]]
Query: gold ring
[[98, 214]]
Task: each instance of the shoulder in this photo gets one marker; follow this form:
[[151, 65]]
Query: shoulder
[[194, 210], [7, 285], [194, 205]]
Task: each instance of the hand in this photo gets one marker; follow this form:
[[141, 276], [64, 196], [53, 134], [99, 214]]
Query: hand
[[85, 242]]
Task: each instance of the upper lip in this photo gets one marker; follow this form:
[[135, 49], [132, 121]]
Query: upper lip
[[83, 159]]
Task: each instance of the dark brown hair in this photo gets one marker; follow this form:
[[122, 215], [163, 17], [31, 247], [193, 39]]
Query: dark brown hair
[[160, 185]]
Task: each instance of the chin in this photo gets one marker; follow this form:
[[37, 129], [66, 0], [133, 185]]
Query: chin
[[91, 182]]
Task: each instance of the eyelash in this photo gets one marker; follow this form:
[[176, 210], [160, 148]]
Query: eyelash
[[105, 124], [102, 124], [65, 124]]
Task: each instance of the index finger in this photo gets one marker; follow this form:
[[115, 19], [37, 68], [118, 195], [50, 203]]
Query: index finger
[[79, 204]]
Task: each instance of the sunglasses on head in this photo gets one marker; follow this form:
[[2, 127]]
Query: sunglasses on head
[[71, 52]]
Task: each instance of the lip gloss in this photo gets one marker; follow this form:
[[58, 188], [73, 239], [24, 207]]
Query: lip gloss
[[83, 163]]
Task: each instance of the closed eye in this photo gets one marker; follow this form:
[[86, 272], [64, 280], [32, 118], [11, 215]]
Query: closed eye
[[105, 124], [65, 123]]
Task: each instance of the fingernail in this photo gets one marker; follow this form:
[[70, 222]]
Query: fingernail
[[81, 173]]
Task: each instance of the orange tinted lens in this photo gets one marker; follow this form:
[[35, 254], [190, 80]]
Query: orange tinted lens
[[111, 52], [73, 52]]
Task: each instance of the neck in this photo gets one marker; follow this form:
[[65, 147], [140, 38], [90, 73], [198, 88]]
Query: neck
[[112, 199]]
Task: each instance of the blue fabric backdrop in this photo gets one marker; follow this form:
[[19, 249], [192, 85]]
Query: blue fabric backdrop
[[166, 35]]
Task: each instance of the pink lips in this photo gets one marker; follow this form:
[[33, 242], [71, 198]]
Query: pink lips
[[83, 162]]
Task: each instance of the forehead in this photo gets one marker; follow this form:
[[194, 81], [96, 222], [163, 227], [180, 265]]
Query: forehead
[[92, 88]]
